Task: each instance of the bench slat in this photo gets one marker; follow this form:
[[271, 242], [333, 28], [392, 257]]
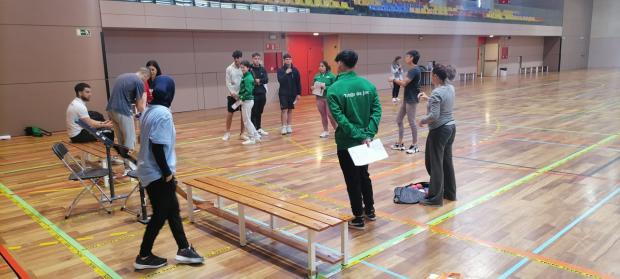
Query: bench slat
[[310, 206], [267, 208], [316, 215]]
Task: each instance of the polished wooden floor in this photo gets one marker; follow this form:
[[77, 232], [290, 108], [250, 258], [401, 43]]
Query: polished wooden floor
[[537, 162]]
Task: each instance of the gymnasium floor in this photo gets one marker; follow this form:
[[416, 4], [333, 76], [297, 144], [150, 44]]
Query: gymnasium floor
[[537, 162]]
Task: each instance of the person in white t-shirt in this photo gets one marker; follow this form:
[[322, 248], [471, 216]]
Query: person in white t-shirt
[[77, 110]]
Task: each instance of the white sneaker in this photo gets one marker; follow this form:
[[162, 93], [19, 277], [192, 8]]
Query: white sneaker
[[248, 142], [262, 132], [226, 136], [413, 149], [289, 129], [283, 132], [244, 137], [324, 134], [394, 100]]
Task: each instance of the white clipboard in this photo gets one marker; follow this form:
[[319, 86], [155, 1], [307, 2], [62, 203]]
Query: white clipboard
[[318, 89], [363, 154]]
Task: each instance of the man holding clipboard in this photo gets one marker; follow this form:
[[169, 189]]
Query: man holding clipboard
[[354, 104]]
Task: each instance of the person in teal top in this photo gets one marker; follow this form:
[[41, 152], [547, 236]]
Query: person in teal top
[[322, 81], [246, 95], [355, 106]]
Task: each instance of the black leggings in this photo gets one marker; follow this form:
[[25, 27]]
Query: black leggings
[[165, 205], [395, 90], [85, 136], [257, 110]]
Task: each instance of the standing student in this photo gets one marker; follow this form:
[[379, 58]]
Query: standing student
[[260, 92], [408, 107], [289, 92], [355, 105], [397, 74], [233, 82], [247, 97], [77, 110], [156, 169], [438, 154], [128, 89], [154, 71], [325, 78]]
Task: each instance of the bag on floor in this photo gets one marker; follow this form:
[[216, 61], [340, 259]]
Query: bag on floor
[[410, 194], [36, 132]]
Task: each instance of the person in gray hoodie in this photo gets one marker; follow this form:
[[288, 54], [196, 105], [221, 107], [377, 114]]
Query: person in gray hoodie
[[440, 121]]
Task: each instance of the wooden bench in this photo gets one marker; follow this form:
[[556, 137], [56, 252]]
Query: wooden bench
[[311, 216]]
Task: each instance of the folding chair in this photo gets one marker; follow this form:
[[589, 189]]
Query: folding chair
[[82, 174]]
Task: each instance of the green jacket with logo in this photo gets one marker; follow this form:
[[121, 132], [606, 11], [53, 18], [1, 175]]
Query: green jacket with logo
[[328, 78], [247, 87], [354, 104]]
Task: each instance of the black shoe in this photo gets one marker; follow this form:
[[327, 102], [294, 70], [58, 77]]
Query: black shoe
[[450, 199], [188, 256], [371, 215], [426, 202], [151, 261], [357, 223]]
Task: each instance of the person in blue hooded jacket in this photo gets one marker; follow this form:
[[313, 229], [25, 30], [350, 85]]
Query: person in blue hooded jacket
[[156, 169]]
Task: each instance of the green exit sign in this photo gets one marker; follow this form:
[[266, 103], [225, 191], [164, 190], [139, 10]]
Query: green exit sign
[[83, 32]]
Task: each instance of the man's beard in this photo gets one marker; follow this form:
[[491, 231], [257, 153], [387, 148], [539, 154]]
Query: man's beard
[[84, 99]]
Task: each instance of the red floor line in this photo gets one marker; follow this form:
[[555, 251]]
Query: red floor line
[[21, 273]]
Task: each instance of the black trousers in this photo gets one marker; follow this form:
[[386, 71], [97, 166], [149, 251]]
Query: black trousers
[[438, 160], [358, 183], [165, 207], [395, 90], [257, 110], [85, 136]]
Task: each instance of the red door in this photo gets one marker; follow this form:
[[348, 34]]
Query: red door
[[307, 53]]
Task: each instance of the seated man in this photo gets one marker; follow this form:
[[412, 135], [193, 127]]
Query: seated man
[[77, 110]]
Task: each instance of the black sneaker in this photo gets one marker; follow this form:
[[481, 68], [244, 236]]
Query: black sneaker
[[371, 215], [188, 256], [357, 223], [151, 261], [398, 146], [413, 149]]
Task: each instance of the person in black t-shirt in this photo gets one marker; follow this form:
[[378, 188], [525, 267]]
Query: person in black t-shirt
[[411, 82]]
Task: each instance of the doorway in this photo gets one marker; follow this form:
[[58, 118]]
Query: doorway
[[307, 53]]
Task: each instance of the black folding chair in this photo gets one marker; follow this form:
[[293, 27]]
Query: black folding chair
[[82, 174]]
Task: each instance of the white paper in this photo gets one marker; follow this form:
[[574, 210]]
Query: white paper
[[318, 88], [236, 104], [363, 154]]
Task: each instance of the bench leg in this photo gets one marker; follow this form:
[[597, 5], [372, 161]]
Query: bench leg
[[344, 243], [190, 202], [242, 233], [311, 255], [220, 203], [272, 222]]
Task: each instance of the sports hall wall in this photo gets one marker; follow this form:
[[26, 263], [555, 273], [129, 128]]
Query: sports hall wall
[[605, 34], [42, 58]]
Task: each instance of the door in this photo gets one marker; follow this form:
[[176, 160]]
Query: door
[[491, 59], [307, 53]]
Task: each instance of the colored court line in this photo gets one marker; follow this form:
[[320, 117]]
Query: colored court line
[[30, 168], [436, 221], [562, 232], [13, 264], [523, 254], [76, 248], [520, 181]]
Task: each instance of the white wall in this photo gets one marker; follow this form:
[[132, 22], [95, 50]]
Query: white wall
[[605, 34], [196, 60], [530, 48], [576, 34], [377, 52]]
